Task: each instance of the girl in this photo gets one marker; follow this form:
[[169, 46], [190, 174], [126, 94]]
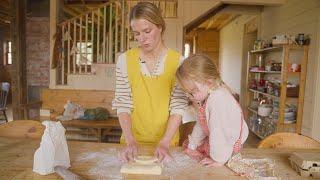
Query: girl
[[220, 129]]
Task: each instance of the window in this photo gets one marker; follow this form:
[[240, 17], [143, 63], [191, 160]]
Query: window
[[186, 50], [7, 53], [86, 52]]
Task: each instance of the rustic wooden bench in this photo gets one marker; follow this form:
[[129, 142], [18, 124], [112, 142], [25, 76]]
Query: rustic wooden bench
[[55, 99]]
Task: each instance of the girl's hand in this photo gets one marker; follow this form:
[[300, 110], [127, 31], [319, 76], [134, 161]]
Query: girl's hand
[[128, 153], [208, 162], [194, 154], [162, 152]]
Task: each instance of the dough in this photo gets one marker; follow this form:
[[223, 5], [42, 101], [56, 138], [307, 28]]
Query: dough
[[142, 165]]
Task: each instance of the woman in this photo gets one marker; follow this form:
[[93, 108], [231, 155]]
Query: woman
[[148, 103]]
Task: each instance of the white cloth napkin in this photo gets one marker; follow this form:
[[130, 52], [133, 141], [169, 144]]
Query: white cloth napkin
[[53, 150]]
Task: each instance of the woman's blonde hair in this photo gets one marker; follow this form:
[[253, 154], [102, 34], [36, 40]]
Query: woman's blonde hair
[[198, 68], [149, 12]]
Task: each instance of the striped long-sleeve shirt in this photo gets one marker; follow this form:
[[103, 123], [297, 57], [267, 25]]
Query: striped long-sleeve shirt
[[123, 97]]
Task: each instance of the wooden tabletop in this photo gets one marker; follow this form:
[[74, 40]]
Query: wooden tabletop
[[99, 161]]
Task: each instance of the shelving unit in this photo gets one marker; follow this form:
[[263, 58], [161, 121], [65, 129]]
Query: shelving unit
[[271, 72], [265, 94], [283, 54]]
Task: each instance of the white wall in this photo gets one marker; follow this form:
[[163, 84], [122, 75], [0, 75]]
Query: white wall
[[188, 10], [292, 18], [231, 52]]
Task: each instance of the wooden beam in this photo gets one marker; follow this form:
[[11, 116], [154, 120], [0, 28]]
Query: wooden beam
[[78, 10], [231, 18], [198, 21], [82, 2], [18, 74], [255, 2], [242, 9], [70, 11]]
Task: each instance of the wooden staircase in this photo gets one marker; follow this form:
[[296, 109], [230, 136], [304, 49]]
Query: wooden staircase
[[96, 38]]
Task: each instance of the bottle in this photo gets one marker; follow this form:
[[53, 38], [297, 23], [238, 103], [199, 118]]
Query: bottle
[[260, 61]]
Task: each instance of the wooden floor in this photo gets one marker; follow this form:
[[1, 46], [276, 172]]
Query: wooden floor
[[252, 141]]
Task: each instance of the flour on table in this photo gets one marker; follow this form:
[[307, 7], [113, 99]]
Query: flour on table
[[181, 164], [107, 164]]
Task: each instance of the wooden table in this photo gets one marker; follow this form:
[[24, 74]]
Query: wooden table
[[16, 160]]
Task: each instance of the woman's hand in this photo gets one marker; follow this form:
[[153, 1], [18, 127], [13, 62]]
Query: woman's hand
[[129, 153], [208, 162], [162, 152]]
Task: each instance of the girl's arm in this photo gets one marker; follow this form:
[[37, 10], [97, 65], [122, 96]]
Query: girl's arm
[[196, 137]]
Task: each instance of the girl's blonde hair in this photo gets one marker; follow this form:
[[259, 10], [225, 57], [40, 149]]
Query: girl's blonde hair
[[149, 12], [199, 68]]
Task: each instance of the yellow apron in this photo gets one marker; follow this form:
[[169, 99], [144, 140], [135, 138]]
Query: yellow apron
[[151, 98]]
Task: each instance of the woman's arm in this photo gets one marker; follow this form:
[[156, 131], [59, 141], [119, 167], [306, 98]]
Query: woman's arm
[[162, 150], [124, 105], [178, 99], [123, 96], [125, 123], [131, 150]]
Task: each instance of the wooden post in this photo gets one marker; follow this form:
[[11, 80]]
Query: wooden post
[[302, 83], [104, 34], [69, 35], [62, 55], [283, 93], [116, 30], [18, 74], [128, 25], [122, 26], [54, 5], [86, 43], [92, 35], [74, 45], [80, 48], [98, 37], [110, 35]]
